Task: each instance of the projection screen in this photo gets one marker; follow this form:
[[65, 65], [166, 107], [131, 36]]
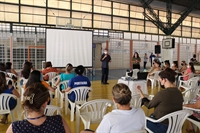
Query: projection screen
[[69, 46]]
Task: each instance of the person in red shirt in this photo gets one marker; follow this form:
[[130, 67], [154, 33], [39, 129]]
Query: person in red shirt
[[48, 68]]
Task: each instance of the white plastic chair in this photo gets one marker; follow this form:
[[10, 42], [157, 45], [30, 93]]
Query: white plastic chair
[[60, 95], [190, 83], [190, 75], [153, 79], [136, 100], [21, 83], [53, 81], [80, 98], [9, 79], [190, 94], [4, 105], [11, 75], [135, 71], [175, 119], [50, 110], [91, 112], [51, 75], [191, 120]]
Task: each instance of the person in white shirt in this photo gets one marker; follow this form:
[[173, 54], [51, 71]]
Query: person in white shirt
[[124, 118]]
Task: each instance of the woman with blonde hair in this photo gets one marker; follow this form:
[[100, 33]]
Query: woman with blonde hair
[[124, 118], [35, 101]]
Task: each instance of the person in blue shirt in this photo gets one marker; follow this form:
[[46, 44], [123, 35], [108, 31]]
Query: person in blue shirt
[[151, 58], [7, 89], [77, 81], [65, 76]]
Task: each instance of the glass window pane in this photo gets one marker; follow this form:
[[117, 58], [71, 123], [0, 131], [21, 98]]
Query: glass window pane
[[83, 1], [33, 10], [9, 8], [196, 22], [187, 21], [102, 3], [196, 32], [10, 1], [186, 31], [6, 16], [32, 18], [104, 10], [34, 2], [59, 4], [101, 24], [53, 14], [81, 7]]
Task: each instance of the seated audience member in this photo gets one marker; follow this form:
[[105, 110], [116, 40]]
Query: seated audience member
[[27, 68], [2, 68], [193, 59], [9, 68], [7, 89], [175, 66], [65, 76], [196, 115], [155, 67], [164, 102], [190, 69], [166, 65], [48, 69], [124, 118], [183, 67], [77, 81], [36, 77], [35, 101]]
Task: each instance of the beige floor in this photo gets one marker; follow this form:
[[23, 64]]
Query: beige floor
[[99, 92]]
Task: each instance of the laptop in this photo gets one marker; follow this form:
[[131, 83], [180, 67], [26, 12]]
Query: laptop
[[142, 75]]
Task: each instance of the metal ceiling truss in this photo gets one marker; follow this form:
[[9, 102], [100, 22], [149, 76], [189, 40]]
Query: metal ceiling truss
[[168, 28]]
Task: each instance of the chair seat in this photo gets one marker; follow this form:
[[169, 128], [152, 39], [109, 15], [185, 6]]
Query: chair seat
[[88, 115], [4, 112]]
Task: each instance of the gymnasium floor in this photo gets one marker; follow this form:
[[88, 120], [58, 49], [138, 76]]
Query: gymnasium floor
[[99, 92]]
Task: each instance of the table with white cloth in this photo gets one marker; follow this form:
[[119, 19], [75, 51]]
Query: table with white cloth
[[132, 84]]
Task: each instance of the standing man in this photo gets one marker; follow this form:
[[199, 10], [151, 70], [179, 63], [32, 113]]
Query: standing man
[[105, 59], [151, 58]]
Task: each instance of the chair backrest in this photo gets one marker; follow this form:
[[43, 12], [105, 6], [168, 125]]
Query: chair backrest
[[22, 81], [80, 94], [11, 75], [191, 75], [156, 77], [193, 82], [176, 120], [50, 110], [4, 101], [190, 94], [95, 109], [54, 80], [10, 80], [136, 100], [51, 75], [135, 71]]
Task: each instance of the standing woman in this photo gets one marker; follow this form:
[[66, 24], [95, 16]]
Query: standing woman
[[136, 61], [7, 89], [145, 60]]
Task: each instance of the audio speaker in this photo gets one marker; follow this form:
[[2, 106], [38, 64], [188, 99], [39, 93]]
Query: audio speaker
[[157, 49]]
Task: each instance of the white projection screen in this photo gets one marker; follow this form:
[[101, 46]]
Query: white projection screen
[[69, 46]]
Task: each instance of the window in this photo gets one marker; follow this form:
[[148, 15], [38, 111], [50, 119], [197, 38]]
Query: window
[[101, 6], [84, 18], [59, 4], [120, 23], [9, 13], [82, 5], [136, 12], [34, 2], [120, 9], [136, 25], [62, 17], [102, 21]]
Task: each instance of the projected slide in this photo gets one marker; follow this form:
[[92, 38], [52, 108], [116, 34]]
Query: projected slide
[[69, 46]]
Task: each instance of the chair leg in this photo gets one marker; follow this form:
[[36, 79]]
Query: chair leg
[[12, 116], [152, 84], [72, 112]]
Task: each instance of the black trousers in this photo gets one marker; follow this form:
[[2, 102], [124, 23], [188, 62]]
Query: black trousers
[[104, 76], [136, 66], [145, 65]]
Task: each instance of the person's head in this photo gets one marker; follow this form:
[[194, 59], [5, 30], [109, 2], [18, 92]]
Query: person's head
[[80, 70], [105, 51], [34, 78], [69, 68], [2, 82], [183, 63], [167, 76], [136, 55], [194, 55], [191, 66], [175, 64], [48, 64], [26, 69], [167, 63], [156, 63], [121, 94], [145, 54], [2, 67], [36, 97], [8, 65]]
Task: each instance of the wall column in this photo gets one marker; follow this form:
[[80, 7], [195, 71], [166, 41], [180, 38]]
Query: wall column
[[131, 52], [178, 53], [11, 48], [107, 44]]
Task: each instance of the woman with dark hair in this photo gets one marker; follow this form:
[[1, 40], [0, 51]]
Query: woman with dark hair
[[155, 67], [183, 67], [166, 65], [190, 69], [35, 101], [164, 102], [36, 77], [48, 69], [26, 69], [136, 61], [8, 89], [10, 69], [175, 66], [116, 121], [65, 76], [77, 81]]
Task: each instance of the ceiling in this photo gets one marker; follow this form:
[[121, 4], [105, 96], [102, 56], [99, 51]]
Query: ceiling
[[178, 6]]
